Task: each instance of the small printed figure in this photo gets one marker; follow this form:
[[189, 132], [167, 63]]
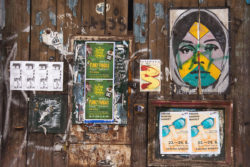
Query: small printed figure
[[57, 76], [109, 54], [30, 72], [108, 92]]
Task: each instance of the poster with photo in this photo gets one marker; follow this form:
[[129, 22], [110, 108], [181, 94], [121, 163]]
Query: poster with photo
[[150, 71], [36, 75], [174, 132]]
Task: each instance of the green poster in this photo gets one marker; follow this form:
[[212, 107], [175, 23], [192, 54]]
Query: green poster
[[99, 62], [99, 97]]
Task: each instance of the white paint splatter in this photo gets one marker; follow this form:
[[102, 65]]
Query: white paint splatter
[[168, 74], [141, 51], [27, 29]]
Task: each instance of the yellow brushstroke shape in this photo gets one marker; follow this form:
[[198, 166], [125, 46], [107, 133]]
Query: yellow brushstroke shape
[[149, 75], [214, 71]]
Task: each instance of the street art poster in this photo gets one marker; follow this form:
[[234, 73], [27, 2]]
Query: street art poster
[[174, 132], [107, 72], [47, 113], [36, 75], [185, 132], [150, 71], [199, 50]]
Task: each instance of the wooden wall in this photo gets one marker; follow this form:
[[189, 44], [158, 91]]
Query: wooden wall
[[108, 144]]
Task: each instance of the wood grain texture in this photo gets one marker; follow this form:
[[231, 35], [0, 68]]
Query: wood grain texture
[[141, 34], [14, 106]]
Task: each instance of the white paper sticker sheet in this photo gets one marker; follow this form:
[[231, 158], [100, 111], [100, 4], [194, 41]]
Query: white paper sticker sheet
[[36, 75]]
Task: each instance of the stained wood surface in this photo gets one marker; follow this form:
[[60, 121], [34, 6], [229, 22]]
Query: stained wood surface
[[79, 17]]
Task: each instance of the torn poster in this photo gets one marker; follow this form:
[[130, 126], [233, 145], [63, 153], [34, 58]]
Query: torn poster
[[99, 81], [47, 113], [36, 75], [120, 86], [54, 40], [185, 132], [150, 71]]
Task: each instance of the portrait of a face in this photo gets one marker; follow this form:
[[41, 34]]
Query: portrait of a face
[[199, 44]]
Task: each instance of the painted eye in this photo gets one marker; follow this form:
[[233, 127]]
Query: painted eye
[[186, 49], [211, 47]]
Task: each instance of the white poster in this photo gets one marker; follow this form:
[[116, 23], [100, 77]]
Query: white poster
[[189, 132], [36, 75]]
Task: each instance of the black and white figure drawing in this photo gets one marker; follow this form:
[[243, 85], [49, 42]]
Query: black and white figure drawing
[[36, 75], [16, 77]]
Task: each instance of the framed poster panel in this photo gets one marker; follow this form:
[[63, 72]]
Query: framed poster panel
[[190, 132], [100, 79]]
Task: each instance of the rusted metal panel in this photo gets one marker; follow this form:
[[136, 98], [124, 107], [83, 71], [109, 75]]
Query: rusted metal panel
[[99, 155]]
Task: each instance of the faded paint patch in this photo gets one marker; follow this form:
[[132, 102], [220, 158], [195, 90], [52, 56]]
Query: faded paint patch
[[52, 17], [140, 19], [28, 6], [39, 20], [100, 8], [54, 40], [159, 11], [72, 4], [2, 14], [99, 155]]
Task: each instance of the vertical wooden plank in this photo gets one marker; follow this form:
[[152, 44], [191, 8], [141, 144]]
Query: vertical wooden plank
[[94, 23], [15, 37], [139, 134], [117, 17], [236, 71], [157, 40], [43, 15], [246, 74], [238, 60]]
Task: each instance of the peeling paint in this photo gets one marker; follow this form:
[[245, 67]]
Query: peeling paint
[[100, 8], [52, 17], [72, 4], [28, 6], [2, 14], [39, 20], [159, 12], [54, 40], [140, 19]]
